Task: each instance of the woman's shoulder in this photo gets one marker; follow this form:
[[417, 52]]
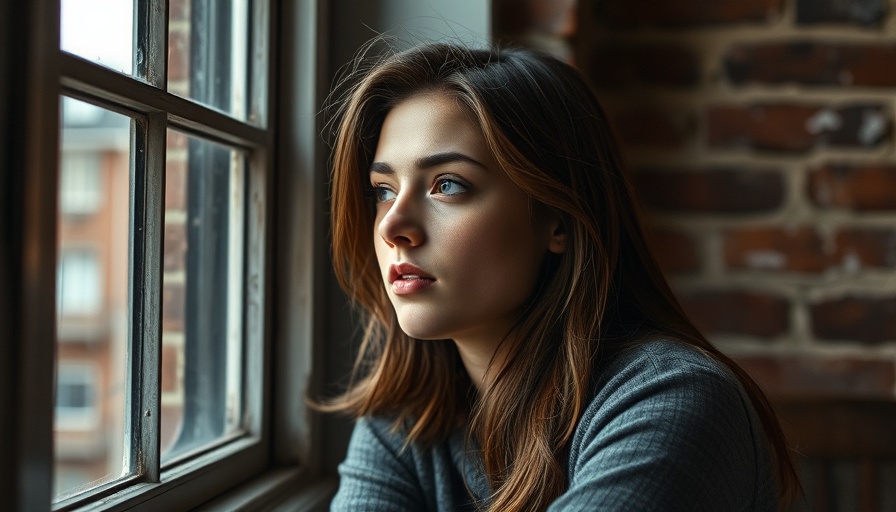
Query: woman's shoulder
[[667, 376], [663, 360], [668, 417]]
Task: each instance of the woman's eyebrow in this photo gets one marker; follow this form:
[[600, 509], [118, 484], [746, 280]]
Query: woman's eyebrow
[[445, 158], [381, 168], [427, 162]]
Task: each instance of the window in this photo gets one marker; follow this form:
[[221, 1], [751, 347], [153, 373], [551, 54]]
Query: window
[[80, 185], [161, 266], [139, 247], [78, 278]]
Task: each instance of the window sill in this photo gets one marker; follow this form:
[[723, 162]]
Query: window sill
[[278, 490]]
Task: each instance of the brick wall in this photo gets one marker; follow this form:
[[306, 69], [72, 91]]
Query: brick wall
[[175, 241], [761, 137]]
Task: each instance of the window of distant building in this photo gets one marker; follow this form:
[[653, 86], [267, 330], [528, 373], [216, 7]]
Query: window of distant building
[[79, 282], [76, 396]]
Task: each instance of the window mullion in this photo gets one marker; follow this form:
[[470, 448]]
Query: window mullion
[[151, 42], [261, 39], [146, 323]]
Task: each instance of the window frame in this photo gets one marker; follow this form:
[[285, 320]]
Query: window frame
[[36, 80]]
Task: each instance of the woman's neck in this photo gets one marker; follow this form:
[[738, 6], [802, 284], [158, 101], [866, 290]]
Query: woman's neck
[[483, 359]]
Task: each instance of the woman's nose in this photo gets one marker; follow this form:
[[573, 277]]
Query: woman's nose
[[402, 224]]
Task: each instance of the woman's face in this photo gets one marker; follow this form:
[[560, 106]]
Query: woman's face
[[458, 244]]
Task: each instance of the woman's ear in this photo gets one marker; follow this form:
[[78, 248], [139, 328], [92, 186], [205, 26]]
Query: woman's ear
[[557, 241]]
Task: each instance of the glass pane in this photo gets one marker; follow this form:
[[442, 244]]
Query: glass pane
[[99, 30], [208, 43], [91, 297], [202, 286]]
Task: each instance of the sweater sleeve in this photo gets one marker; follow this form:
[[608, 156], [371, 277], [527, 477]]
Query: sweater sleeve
[[669, 433], [377, 475]]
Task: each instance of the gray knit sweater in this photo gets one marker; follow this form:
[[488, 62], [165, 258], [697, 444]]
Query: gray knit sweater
[[667, 429]]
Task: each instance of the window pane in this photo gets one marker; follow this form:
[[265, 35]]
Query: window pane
[[207, 60], [99, 30], [202, 290], [91, 297]]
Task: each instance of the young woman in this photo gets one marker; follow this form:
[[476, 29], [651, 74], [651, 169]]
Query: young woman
[[522, 350]]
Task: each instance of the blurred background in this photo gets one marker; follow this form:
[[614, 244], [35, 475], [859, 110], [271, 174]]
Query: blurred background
[[760, 134]]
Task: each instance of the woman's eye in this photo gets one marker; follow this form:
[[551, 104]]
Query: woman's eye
[[383, 194], [450, 187]]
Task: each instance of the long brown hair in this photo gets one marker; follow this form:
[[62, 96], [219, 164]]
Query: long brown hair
[[549, 134]]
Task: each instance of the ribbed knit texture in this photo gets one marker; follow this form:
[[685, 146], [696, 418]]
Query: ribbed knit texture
[[667, 429]]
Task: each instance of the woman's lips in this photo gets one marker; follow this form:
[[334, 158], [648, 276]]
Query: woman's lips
[[406, 279]]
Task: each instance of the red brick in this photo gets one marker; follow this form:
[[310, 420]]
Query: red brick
[[175, 248], [179, 10], [859, 187], [176, 185], [774, 248], [178, 55], [856, 318], [857, 12], [675, 251], [868, 247], [784, 127], [171, 363], [813, 63], [682, 13], [724, 190], [173, 306], [176, 140], [821, 376], [617, 65], [652, 127], [737, 312]]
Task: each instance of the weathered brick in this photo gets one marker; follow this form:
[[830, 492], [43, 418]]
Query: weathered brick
[[176, 185], [737, 312], [813, 63], [774, 248], [173, 306], [866, 247], [175, 247], [178, 55], [683, 13], [723, 190], [821, 376], [855, 318], [616, 65], [176, 140], [179, 10], [171, 362], [858, 12], [675, 250], [652, 127], [785, 127], [859, 187]]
